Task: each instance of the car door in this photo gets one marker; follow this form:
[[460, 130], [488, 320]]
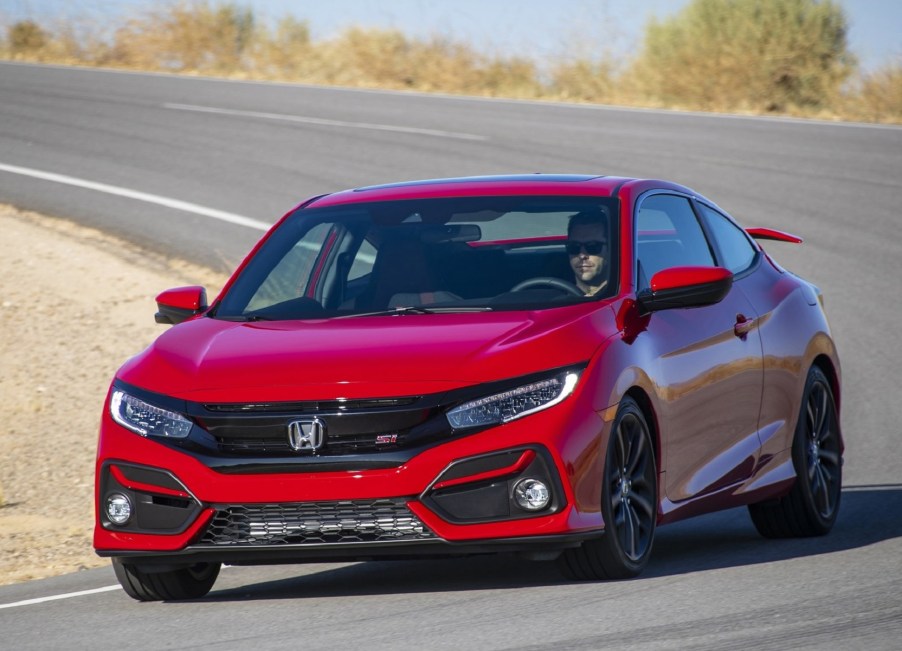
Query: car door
[[782, 329], [706, 362]]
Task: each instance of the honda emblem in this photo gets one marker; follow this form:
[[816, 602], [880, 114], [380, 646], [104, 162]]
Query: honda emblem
[[308, 434]]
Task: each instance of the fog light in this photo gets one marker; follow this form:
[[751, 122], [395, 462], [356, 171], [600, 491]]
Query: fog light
[[532, 494], [118, 508]]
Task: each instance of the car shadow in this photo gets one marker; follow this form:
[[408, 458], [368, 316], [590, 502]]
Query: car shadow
[[868, 515]]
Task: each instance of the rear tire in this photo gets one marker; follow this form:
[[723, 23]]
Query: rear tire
[[810, 508], [629, 505], [174, 585]]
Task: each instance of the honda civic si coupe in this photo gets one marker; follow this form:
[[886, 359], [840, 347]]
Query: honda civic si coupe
[[548, 365]]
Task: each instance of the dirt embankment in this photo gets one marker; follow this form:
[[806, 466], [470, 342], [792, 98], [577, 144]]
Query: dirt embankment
[[74, 305]]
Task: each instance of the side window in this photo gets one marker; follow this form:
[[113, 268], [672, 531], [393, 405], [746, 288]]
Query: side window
[[734, 245], [363, 262], [288, 278], [669, 235]]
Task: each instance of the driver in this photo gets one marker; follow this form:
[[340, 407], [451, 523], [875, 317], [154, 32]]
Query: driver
[[587, 246]]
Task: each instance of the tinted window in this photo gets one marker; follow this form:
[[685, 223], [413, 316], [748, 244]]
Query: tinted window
[[735, 247], [288, 278], [669, 235], [363, 262]]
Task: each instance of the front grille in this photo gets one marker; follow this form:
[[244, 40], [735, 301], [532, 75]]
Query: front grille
[[351, 427], [309, 523], [345, 445]]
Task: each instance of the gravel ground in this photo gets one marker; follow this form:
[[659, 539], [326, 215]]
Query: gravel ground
[[74, 304]]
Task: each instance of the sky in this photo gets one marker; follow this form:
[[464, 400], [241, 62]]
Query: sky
[[537, 28]]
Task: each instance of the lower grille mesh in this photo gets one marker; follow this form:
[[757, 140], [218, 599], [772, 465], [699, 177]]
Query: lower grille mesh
[[315, 523]]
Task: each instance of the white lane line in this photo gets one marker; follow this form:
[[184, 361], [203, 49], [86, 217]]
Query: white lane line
[[231, 218], [328, 123], [68, 595]]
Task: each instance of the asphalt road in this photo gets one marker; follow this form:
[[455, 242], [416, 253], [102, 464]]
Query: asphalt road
[[229, 150]]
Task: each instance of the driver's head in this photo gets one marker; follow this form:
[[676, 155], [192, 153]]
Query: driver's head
[[587, 248]]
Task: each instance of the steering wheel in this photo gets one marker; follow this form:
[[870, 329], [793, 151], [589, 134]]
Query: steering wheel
[[547, 281]]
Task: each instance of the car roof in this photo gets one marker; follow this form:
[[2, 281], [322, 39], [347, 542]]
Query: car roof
[[519, 184]]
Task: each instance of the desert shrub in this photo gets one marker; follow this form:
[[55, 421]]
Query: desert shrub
[[283, 52], [880, 95], [759, 55], [387, 58], [25, 37], [585, 80], [372, 57], [506, 77], [69, 43], [186, 36]]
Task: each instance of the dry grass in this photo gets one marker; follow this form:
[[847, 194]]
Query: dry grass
[[877, 96], [768, 57]]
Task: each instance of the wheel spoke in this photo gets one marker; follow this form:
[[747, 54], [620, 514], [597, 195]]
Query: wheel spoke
[[828, 457], [822, 495], [643, 504], [811, 415], [618, 505], [812, 469], [815, 478], [831, 477], [621, 446], [827, 431], [637, 455], [823, 424], [631, 533], [819, 411], [628, 440], [616, 496]]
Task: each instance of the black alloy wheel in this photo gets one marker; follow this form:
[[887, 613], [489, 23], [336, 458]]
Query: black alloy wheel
[[628, 504], [811, 506]]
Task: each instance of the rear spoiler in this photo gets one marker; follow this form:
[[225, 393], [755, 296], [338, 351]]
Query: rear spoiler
[[772, 234]]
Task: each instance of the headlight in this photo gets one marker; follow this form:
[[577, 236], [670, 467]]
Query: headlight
[[515, 403], [145, 419]]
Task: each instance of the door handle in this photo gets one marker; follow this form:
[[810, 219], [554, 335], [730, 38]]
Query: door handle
[[743, 326]]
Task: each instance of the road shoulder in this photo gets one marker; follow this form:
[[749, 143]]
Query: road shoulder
[[75, 303]]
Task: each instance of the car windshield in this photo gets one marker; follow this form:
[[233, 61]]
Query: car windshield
[[429, 255]]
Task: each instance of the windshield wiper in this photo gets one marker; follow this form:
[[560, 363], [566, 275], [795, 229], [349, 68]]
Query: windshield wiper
[[418, 310]]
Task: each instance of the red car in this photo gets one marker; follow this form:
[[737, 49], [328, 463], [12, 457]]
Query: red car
[[544, 364]]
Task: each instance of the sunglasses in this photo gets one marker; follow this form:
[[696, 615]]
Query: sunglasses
[[594, 247]]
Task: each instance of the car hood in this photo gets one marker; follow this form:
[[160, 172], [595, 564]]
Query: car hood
[[220, 361]]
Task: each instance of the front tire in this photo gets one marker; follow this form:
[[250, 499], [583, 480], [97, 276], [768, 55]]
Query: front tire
[[810, 508], [190, 582], [629, 499]]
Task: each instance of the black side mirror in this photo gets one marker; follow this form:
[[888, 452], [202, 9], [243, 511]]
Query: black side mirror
[[685, 287], [179, 304]]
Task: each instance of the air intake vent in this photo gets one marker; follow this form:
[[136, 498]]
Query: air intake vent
[[315, 523]]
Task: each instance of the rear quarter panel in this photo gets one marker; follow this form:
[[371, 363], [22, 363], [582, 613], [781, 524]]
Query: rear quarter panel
[[794, 335]]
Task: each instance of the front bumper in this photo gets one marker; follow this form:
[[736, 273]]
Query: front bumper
[[451, 499]]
